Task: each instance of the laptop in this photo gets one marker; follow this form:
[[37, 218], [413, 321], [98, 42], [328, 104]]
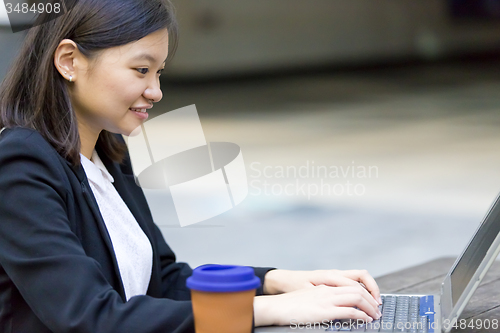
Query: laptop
[[426, 313]]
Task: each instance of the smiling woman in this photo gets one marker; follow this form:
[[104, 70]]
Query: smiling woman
[[113, 91], [38, 95], [79, 250]]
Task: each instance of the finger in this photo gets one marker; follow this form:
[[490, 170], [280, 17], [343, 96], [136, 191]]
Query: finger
[[353, 284], [357, 300], [364, 277], [368, 291], [371, 285], [337, 280], [350, 313]]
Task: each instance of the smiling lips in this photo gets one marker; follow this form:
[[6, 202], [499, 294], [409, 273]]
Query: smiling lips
[[138, 110], [141, 111], [142, 108]]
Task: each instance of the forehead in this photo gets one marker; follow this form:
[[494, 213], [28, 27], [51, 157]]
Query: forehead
[[153, 48]]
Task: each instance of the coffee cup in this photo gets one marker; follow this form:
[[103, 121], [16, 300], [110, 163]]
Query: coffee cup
[[222, 298]]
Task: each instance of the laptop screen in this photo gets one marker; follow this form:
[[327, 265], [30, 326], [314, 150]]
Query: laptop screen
[[475, 252]]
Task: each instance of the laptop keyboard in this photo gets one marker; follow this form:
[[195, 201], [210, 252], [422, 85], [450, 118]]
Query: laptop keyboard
[[412, 314]]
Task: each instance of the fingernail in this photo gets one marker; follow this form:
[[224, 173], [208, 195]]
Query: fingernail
[[379, 300], [379, 313], [370, 319]]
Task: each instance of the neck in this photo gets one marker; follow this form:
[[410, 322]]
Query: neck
[[88, 140]]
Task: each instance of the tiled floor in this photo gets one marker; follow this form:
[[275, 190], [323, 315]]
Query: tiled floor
[[428, 134]]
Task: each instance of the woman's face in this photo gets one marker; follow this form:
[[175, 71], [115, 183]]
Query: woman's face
[[114, 91]]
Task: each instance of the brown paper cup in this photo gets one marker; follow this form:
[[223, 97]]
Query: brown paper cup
[[223, 312]]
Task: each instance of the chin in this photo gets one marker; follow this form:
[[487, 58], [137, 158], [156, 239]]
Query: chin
[[127, 129]]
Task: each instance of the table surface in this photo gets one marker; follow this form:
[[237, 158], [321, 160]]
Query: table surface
[[427, 278]]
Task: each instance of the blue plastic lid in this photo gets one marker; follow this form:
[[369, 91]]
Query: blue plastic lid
[[223, 278]]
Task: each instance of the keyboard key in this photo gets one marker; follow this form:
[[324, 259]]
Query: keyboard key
[[333, 328], [346, 325], [374, 326], [359, 328], [424, 321], [426, 305], [403, 313]]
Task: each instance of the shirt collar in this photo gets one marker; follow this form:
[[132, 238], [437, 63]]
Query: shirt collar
[[96, 171]]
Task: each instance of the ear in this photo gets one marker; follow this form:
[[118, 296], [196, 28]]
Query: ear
[[68, 59]]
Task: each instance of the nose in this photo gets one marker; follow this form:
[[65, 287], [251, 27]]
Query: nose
[[153, 92]]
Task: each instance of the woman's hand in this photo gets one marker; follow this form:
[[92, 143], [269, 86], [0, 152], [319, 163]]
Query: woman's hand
[[280, 281], [316, 304]]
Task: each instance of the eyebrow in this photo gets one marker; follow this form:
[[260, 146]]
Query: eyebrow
[[146, 56]]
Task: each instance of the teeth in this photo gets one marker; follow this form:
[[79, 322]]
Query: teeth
[[139, 110]]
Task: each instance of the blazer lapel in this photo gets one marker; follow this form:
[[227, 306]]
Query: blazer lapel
[[135, 200], [92, 203]]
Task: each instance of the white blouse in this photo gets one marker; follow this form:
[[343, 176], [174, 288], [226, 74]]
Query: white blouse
[[132, 247]]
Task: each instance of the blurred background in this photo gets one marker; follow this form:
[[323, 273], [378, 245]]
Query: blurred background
[[369, 129]]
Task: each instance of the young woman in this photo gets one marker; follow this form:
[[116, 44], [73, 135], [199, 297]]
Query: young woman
[[79, 251]]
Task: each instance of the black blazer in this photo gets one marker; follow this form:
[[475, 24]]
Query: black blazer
[[58, 271]]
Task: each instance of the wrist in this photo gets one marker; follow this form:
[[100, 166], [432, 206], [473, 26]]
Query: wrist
[[273, 282], [262, 310]]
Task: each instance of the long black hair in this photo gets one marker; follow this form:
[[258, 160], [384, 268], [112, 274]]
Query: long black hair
[[35, 95]]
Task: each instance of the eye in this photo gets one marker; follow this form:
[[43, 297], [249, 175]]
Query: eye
[[143, 70], [160, 71]]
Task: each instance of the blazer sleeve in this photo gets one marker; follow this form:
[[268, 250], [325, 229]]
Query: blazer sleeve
[[46, 262]]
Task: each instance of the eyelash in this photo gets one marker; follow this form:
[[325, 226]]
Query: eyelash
[[147, 70]]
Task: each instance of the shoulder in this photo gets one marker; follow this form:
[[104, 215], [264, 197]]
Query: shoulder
[[23, 138], [27, 147]]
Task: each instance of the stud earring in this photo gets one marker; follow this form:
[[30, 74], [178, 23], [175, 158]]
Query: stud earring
[[70, 78]]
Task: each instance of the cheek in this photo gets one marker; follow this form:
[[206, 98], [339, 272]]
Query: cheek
[[111, 88], [123, 88]]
